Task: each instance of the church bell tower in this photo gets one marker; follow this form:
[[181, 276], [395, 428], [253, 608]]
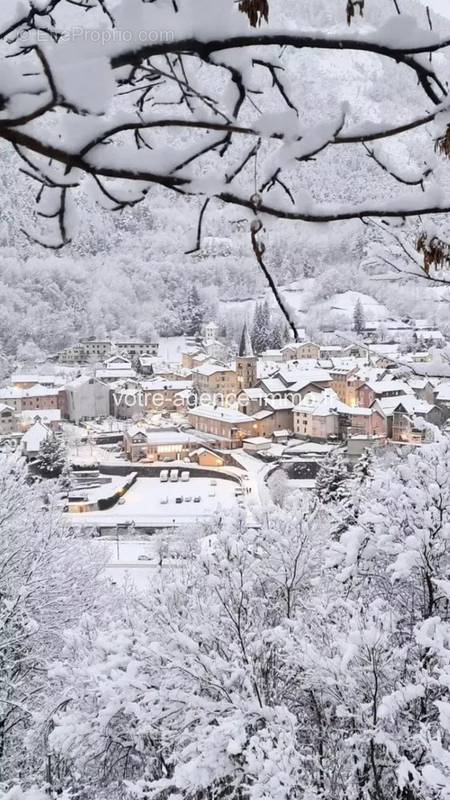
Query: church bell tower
[[246, 362]]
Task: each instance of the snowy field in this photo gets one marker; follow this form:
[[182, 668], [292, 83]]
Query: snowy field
[[152, 503]]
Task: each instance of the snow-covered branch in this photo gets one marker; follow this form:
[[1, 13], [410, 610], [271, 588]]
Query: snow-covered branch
[[151, 95]]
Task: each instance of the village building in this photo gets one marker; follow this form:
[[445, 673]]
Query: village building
[[11, 396], [301, 350], [8, 420], [128, 401], [134, 348], [324, 416], [193, 357], [50, 417], [401, 413], [163, 395], [146, 364], [40, 398], [23, 380], [229, 425], [32, 440], [216, 382], [368, 392], [206, 457], [210, 332], [158, 445], [86, 398], [96, 349], [442, 396]]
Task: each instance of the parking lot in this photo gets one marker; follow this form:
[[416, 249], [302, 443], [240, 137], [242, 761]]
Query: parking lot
[[152, 503]]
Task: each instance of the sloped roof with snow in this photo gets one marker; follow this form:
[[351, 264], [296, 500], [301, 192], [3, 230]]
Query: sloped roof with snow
[[39, 391], [413, 405], [220, 413], [161, 385], [326, 403], [210, 369], [33, 438], [380, 387], [443, 392], [298, 375]]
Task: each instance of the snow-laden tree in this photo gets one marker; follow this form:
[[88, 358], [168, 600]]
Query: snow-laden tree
[[276, 663], [193, 313], [363, 469], [359, 321], [47, 580], [395, 562], [332, 478], [51, 457], [278, 484], [239, 109], [261, 333], [190, 696]]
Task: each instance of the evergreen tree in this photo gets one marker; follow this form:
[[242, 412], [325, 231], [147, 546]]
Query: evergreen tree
[[363, 469], [359, 322], [332, 479], [276, 337], [256, 330], [51, 457], [261, 331], [194, 313], [266, 325]]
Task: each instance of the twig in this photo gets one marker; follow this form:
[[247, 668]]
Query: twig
[[259, 249]]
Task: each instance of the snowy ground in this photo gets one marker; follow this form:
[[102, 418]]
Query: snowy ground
[[138, 561], [142, 503]]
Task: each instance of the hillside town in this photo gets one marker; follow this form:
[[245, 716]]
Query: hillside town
[[202, 406]]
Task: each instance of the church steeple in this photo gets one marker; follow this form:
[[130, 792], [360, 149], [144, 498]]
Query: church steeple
[[245, 347], [246, 361]]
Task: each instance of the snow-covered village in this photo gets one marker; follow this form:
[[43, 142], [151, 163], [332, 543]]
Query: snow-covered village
[[225, 400]]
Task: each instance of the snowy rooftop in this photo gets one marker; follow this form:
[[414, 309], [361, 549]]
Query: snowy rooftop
[[115, 372], [160, 385], [38, 391], [300, 376], [33, 438], [380, 387], [28, 377], [279, 404], [11, 393], [211, 369], [443, 392], [230, 415], [325, 403]]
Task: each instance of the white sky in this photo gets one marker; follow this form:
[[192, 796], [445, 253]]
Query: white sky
[[440, 6]]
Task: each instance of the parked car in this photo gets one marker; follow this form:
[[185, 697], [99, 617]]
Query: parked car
[[144, 558], [178, 499], [164, 500], [121, 501], [188, 499], [197, 499], [213, 482]]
